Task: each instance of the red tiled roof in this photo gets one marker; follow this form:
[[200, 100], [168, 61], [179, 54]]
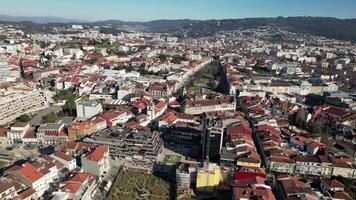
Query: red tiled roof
[[20, 124], [71, 187], [342, 195], [239, 130], [251, 193], [97, 154], [30, 134], [63, 156], [30, 172], [249, 172], [58, 164], [160, 105], [81, 177], [250, 181], [27, 193], [3, 132], [333, 183], [335, 111]]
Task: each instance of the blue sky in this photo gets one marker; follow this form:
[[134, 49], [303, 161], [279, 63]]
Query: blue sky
[[143, 10]]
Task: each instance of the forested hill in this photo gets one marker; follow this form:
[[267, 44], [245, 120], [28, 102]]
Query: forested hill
[[342, 29]]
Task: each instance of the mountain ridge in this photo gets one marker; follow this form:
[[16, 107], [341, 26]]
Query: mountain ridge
[[330, 27]]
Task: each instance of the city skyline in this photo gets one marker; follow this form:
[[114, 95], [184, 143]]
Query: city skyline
[[139, 10]]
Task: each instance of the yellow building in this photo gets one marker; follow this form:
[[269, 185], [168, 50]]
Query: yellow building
[[79, 130], [208, 177], [316, 89], [248, 162]]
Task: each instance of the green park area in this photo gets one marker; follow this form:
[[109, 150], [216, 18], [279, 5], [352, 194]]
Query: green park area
[[172, 159], [107, 46], [138, 184], [204, 78]]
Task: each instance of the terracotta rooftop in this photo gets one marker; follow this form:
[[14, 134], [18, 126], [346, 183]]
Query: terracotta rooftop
[[3, 132], [97, 154], [20, 125], [253, 193], [333, 183], [27, 193], [29, 172], [63, 156]]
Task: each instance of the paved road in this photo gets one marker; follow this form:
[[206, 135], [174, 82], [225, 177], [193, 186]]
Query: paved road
[[38, 118]]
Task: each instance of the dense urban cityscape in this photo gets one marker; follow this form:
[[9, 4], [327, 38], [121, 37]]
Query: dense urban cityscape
[[90, 111]]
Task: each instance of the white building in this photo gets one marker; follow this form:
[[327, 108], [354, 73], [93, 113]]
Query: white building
[[88, 109], [97, 161], [68, 161], [37, 175], [7, 74], [14, 103], [17, 132]]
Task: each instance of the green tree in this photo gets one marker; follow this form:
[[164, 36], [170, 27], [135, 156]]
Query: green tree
[[24, 118], [318, 126], [301, 117], [70, 106], [162, 57], [69, 97], [52, 117]]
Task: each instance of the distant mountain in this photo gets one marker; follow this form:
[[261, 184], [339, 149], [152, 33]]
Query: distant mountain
[[342, 29], [39, 20], [154, 25]]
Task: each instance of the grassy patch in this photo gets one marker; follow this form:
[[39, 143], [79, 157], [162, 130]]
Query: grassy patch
[[25, 118], [53, 117], [204, 78], [108, 46], [138, 184], [172, 159]]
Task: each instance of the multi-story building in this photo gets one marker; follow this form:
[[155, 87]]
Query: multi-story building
[[156, 110], [30, 138], [96, 162], [36, 177], [68, 161], [6, 74], [7, 190], [88, 109], [160, 90], [186, 175], [80, 186], [52, 134], [127, 143], [114, 118], [184, 136], [17, 132], [213, 139], [79, 130], [14, 103], [208, 177], [207, 105]]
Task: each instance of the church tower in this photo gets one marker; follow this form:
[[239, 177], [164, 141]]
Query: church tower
[[151, 110]]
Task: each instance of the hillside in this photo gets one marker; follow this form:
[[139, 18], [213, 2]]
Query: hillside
[[342, 29]]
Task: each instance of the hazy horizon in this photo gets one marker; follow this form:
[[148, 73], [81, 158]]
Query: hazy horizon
[[142, 21], [148, 10]]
